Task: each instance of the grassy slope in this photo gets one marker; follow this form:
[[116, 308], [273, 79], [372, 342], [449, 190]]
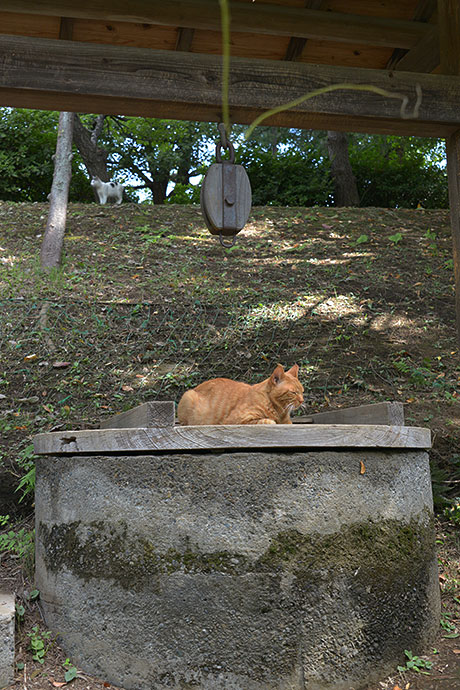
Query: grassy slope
[[149, 303]]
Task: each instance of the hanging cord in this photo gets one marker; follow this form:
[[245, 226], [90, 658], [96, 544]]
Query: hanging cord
[[336, 87], [225, 24]]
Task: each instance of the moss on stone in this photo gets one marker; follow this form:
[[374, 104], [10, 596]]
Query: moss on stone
[[384, 549]]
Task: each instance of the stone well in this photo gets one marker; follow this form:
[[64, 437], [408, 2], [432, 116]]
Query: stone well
[[237, 558]]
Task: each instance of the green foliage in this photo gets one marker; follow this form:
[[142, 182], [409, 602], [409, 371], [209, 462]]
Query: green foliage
[[156, 153], [396, 238], [71, 672], [27, 145], [39, 643], [20, 542], [286, 166], [288, 179], [25, 460], [452, 512], [415, 663], [399, 171]]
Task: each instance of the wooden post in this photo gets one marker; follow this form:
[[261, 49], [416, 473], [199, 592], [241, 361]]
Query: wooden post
[[449, 46], [453, 176]]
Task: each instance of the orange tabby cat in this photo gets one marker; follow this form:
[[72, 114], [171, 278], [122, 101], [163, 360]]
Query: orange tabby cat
[[223, 401]]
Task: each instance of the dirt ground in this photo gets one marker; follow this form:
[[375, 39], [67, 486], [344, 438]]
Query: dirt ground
[[148, 304]]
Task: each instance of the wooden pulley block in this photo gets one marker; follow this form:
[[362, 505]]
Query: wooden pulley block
[[226, 196]]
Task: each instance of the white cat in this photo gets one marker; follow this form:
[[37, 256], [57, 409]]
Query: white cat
[[107, 191]]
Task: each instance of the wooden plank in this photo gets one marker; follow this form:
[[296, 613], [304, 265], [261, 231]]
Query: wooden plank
[[236, 437], [149, 414], [164, 78], [66, 29], [423, 13], [389, 413], [449, 35], [296, 44], [269, 19], [184, 39], [117, 105], [453, 177], [424, 57]]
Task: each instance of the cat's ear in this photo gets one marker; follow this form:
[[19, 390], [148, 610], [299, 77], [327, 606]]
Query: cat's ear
[[277, 375], [294, 371]]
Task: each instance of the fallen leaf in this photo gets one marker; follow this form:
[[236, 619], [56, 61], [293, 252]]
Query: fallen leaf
[[30, 358], [58, 684], [456, 651], [362, 467], [60, 365], [396, 687], [128, 389]]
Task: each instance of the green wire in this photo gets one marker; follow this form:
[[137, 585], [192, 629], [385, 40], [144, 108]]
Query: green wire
[[335, 87], [225, 24]]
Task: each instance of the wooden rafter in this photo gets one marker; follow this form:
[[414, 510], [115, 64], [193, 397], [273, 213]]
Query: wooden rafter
[[184, 39], [424, 57], [246, 17], [65, 75], [296, 44], [423, 13]]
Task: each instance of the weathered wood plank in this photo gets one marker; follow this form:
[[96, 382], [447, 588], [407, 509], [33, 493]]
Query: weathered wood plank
[[389, 413], [296, 44], [449, 35], [149, 414], [423, 13], [246, 17], [117, 105], [453, 177], [221, 437], [424, 57], [166, 79]]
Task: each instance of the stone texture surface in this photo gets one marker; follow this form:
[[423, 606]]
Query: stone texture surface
[[6, 639], [238, 571]]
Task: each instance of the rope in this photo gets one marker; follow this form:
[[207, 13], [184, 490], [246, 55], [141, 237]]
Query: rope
[[225, 24]]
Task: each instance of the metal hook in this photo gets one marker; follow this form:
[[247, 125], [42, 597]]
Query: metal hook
[[227, 246], [223, 135]]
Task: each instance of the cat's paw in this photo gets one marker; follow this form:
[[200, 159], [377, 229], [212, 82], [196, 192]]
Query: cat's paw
[[266, 421]]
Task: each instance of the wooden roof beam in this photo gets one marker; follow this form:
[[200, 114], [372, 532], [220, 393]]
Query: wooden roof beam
[[66, 75], [424, 57], [184, 39], [279, 20], [423, 13], [296, 44]]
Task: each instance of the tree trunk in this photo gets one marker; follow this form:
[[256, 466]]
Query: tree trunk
[[94, 156], [54, 234], [345, 189], [159, 191]]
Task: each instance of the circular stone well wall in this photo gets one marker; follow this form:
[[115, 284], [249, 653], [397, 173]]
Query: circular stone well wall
[[277, 568]]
